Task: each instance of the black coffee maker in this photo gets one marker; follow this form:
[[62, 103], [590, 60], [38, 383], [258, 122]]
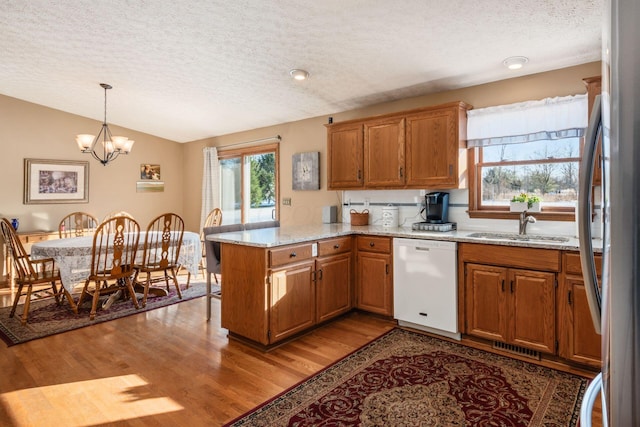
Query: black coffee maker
[[437, 207]]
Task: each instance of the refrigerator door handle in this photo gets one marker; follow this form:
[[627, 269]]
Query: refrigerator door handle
[[589, 399], [587, 259]]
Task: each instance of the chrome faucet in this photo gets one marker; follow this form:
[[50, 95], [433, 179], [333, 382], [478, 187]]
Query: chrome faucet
[[524, 220]]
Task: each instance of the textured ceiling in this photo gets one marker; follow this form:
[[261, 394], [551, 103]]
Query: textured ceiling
[[186, 70]]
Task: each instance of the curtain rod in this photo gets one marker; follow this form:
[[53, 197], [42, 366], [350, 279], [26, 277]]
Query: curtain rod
[[271, 138]]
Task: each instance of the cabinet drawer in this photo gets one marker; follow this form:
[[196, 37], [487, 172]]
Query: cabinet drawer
[[572, 264], [290, 254], [334, 246], [374, 244]]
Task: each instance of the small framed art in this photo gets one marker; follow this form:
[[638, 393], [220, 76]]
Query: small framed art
[[306, 171]]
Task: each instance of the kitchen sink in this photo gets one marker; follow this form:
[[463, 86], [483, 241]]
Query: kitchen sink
[[519, 237]]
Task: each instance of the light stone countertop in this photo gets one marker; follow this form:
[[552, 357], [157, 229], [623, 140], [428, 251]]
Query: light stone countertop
[[280, 236]]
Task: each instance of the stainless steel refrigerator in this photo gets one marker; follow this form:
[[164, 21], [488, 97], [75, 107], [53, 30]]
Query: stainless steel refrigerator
[[615, 304]]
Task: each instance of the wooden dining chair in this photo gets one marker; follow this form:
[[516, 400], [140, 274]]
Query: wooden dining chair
[[214, 219], [77, 224], [162, 243], [117, 213], [30, 273], [113, 255]]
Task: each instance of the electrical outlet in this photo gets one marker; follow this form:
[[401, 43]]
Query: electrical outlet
[[286, 201], [366, 202]]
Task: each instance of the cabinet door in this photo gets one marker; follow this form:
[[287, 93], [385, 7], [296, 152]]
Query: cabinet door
[[345, 152], [384, 153], [532, 309], [486, 303], [374, 291], [333, 286], [292, 301], [432, 149], [580, 342]]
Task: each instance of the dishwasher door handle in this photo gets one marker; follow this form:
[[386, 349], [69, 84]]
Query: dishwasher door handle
[[421, 248]]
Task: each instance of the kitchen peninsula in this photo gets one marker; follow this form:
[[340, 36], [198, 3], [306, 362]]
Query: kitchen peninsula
[[281, 282]]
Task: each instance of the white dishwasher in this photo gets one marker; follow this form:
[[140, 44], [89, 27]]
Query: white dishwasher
[[425, 285]]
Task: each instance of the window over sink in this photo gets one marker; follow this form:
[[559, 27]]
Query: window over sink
[[531, 147]]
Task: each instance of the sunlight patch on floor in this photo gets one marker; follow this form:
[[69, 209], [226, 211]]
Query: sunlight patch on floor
[[89, 402]]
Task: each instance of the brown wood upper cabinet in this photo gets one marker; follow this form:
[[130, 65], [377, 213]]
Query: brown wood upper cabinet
[[345, 167], [410, 149], [436, 148], [384, 153]]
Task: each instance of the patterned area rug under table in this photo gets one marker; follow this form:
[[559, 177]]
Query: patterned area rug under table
[[47, 318], [405, 378]]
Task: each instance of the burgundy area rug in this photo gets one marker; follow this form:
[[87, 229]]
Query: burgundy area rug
[[47, 318], [408, 379]]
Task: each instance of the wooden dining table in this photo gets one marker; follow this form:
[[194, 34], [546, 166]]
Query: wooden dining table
[[73, 256]]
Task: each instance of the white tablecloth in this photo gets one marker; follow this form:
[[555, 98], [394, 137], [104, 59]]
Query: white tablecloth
[[73, 255]]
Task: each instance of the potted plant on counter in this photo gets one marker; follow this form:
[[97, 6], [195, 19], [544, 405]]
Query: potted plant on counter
[[524, 202], [519, 203], [533, 203]]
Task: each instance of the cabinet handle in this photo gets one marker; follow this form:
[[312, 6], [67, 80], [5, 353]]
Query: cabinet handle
[[336, 246], [502, 285], [450, 170], [569, 298], [423, 314], [400, 172], [313, 276], [359, 174], [372, 244], [320, 274], [386, 268], [292, 255], [511, 286]]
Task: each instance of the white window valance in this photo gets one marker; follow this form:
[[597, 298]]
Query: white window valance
[[549, 118]]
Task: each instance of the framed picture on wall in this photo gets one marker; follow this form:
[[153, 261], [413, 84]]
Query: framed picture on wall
[[56, 181], [149, 172], [306, 171]]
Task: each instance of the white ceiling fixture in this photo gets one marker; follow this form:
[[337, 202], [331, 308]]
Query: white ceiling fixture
[[515, 62], [192, 70], [299, 74]]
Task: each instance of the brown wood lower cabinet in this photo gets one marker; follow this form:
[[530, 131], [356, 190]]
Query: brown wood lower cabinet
[[374, 276], [333, 286], [272, 294], [506, 302], [292, 300], [512, 306], [579, 341]]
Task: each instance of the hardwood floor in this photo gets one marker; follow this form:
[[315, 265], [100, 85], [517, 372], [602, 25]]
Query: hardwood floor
[[164, 367]]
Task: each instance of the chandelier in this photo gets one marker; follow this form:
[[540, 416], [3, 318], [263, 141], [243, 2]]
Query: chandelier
[[112, 146]]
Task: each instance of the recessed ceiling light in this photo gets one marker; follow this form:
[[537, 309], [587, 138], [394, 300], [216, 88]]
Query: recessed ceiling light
[[515, 62], [299, 74]]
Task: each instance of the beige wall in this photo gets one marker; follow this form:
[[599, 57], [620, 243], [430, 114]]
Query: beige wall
[[32, 131], [310, 135]]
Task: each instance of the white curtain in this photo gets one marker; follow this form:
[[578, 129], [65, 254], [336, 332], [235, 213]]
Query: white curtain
[[210, 183], [549, 118]]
